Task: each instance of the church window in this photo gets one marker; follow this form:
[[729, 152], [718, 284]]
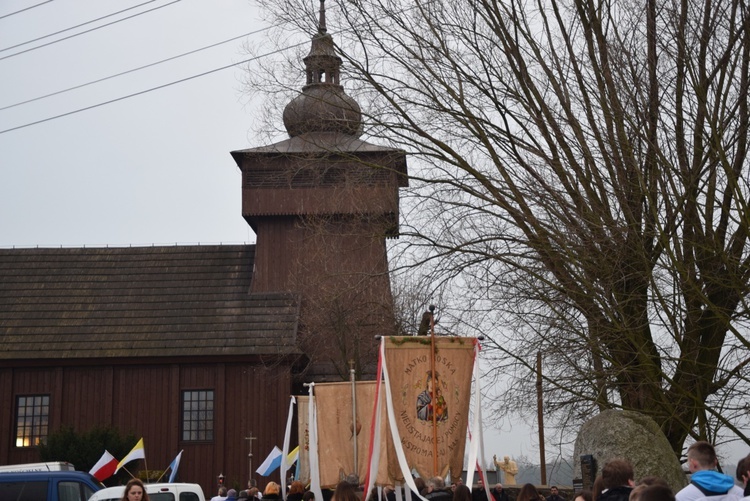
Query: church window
[[32, 420], [197, 415]]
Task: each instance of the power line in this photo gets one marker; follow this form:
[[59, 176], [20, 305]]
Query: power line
[[24, 10], [74, 27], [86, 31], [130, 70], [169, 84]]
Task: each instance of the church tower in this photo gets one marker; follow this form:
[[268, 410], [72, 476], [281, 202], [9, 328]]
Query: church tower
[[322, 204]]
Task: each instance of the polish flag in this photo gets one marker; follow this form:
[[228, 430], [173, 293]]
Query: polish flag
[[105, 467]]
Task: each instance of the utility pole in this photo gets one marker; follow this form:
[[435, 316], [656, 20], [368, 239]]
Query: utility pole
[[540, 416], [250, 455], [355, 435]]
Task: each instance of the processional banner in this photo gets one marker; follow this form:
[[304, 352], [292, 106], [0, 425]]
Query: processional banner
[[337, 431], [430, 385], [303, 432]]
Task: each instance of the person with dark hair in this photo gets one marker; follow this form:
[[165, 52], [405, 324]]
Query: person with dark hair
[[617, 479], [652, 480], [528, 493], [597, 488], [134, 491], [584, 495], [344, 492], [554, 494], [478, 494], [743, 473], [421, 486], [462, 493], [645, 482], [704, 480], [657, 493], [308, 496]]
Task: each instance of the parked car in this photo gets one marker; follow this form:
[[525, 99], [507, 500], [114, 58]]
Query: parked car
[[57, 485], [156, 492], [50, 466]]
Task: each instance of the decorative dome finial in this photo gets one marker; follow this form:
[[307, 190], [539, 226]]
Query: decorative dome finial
[[322, 22], [323, 106]]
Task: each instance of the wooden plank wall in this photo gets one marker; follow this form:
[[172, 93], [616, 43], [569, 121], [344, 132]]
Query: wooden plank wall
[[145, 400]]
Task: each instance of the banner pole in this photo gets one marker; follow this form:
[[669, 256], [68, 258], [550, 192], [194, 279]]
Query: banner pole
[[432, 392], [353, 379]]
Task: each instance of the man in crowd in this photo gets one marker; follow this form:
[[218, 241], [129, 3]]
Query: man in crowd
[[436, 490], [478, 493], [498, 493], [743, 473], [617, 478], [704, 480], [222, 495], [554, 494]]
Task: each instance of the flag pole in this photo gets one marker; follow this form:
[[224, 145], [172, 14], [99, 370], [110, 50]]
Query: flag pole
[[353, 379], [433, 401], [160, 476], [131, 475]]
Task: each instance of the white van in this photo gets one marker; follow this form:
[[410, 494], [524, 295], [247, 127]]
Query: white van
[[156, 492], [51, 466]]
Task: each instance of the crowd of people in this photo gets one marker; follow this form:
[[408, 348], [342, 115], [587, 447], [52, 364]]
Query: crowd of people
[[617, 482], [272, 492]]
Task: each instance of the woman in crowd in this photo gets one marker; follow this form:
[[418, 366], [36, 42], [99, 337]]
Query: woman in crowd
[[461, 493], [584, 495], [296, 491], [272, 491], [344, 492], [528, 493], [135, 491]]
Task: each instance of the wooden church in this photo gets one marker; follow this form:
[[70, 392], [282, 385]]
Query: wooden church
[[195, 348]]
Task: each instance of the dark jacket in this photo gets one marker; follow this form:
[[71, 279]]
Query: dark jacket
[[499, 495], [621, 493], [440, 495], [478, 494]]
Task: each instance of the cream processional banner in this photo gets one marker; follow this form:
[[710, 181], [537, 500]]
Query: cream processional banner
[[337, 431], [431, 393]]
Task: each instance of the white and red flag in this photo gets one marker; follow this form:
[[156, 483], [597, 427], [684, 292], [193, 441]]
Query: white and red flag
[[105, 467]]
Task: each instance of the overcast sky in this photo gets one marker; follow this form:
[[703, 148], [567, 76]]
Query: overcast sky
[[150, 169]]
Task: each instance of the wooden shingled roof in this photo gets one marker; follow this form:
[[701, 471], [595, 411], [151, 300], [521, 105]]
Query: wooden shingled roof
[[89, 303]]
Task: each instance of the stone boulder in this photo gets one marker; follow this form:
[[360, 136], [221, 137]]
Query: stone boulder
[[633, 436]]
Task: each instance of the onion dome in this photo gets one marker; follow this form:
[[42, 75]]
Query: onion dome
[[323, 106]]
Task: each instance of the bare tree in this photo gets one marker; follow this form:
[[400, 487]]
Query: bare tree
[[578, 182]]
